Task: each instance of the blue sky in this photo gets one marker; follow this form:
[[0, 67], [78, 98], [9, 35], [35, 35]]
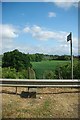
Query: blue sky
[[39, 27]]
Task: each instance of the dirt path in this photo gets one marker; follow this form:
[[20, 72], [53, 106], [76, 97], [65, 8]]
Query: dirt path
[[49, 103]]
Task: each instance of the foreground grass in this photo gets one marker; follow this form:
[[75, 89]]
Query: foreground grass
[[41, 67], [60, 103]]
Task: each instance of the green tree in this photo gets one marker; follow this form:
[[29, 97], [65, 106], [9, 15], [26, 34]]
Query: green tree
[[16, 59]]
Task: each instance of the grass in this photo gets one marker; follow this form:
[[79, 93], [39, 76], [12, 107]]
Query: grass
[[0, 63], [55, 105], [41, 67]]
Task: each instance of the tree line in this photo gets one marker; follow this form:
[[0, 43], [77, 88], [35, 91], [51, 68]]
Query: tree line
[[16, 64]]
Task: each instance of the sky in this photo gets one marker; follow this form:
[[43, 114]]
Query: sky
[[39, 27]]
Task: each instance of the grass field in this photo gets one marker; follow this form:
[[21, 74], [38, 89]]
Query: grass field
[[41, 67], [0, 63]]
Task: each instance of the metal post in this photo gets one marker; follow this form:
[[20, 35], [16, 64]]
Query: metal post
[[71, 57], [69, 38], [28, 77]]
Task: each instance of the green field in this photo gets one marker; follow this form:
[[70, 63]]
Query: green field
[[41, 67], [0, 63]]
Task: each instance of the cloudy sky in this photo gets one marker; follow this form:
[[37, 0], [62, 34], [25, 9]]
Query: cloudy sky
[[39, 27]]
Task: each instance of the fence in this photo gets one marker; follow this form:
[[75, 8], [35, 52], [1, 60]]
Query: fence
[[39, 83]]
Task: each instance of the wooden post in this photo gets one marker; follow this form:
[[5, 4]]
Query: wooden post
[[16, 90]]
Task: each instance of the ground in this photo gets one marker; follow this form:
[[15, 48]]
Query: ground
[[49, 103]]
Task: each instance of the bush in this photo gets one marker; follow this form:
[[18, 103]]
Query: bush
[[23, 74], [49, 75], [9, 73], [64, 72], [0, 72], [76, 69]]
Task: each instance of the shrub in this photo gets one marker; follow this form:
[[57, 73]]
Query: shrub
[[49, 75], [64, 72], [9, 73]]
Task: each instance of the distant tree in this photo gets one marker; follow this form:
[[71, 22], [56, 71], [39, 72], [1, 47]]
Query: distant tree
[[16, 59], [38, 57]]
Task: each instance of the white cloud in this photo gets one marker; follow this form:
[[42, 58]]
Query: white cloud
[[41, 33], [44, 34], [36, 29], [66, 4], [60, 49], [51, 14], [8, 31], [7, 34], [26, 29], [40, 0], [70, 1]]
